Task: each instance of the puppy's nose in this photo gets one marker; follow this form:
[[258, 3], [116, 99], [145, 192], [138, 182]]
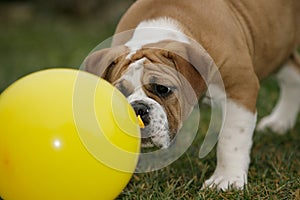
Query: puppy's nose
[[142, 110]]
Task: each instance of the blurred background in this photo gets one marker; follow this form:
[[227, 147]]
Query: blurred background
[[37, 34]]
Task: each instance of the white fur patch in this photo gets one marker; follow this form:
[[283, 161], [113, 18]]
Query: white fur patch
[[233, 150], [152, 31], [134, 73], [284, 115]]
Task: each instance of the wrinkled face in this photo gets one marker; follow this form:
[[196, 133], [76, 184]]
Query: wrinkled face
[[154, 93], [161, 88]]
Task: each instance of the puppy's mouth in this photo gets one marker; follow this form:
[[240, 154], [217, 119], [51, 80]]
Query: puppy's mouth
[[154, 126]]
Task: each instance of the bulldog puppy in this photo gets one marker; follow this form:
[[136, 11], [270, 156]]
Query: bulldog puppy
[[163, 74]]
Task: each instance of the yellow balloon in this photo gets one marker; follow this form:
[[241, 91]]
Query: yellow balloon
[[65, 134]]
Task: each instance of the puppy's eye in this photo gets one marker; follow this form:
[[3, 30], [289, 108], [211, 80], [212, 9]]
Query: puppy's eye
[[161, 90]]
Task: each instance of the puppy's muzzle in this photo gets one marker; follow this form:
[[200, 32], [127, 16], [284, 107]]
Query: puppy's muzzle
[[143, 110]]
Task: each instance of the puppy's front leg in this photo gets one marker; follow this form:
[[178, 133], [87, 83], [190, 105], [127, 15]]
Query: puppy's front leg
[[233, 150], [235, 139]]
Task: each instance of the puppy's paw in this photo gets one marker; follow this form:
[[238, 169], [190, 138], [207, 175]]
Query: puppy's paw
[[279, 126], [226, 180]]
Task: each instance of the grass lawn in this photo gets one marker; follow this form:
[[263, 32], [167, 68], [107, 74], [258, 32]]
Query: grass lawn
[[45, 42]]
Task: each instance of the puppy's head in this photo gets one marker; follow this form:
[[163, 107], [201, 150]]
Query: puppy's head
[[159, 82]]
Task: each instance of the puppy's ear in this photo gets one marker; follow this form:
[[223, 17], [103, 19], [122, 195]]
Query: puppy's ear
[[102, 61], [190, 59], [193, 62]]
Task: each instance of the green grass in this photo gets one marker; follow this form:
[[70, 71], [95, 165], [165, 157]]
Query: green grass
[[46, 42], [61, 42]]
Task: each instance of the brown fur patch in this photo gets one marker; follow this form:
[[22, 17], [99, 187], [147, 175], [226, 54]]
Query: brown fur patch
[[248, 40]]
